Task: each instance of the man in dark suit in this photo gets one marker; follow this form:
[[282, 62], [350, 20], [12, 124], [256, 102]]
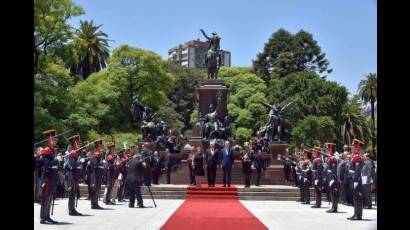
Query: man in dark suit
[[168, 163], [367, 180], [226, 160], [211, 161], [134, 180]]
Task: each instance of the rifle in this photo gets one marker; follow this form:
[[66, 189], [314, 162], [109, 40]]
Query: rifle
[[54, 136]]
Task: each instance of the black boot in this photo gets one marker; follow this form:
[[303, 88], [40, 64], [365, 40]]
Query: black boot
[[96, 207], [51, 220], [315, 206], [74, 213]]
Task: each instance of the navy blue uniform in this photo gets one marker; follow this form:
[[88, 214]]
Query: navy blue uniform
[[317, 169], [357, 188], [48, 182], [74, 173], [96, 166], [306, 181], [333, 183]]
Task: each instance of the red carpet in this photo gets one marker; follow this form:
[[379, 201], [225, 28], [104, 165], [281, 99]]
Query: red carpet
[[212, 208]]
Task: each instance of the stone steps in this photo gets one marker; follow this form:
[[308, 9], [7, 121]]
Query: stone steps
[[282, 193]]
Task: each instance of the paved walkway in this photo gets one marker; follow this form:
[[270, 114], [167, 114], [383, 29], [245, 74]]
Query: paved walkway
[[274, 214]]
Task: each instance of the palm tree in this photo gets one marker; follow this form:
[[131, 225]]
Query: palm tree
[[368, 93], [95, 52], [355, 124]]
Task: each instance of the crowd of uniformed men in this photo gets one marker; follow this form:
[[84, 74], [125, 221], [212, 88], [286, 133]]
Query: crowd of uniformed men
[[58, 174], [346, 178]]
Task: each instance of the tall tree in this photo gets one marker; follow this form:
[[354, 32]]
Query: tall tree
[[94, 51], [285, 53], [355, 124], [183, 94], [368, 93], [51, 30]]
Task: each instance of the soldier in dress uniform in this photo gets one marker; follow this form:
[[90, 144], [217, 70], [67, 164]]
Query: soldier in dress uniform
[[317, 169], [211, 161], [135, 177], [49, 176], [74, 172], [97, 167], [247, 159], [306, 176], [332, 178], [111, 173], [355, 169]]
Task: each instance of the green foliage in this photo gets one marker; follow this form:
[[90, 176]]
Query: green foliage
[[313, 130], [313, 95], [355, 123], [183, 93], [51, 30], [285, 53], [246, 92], [93, 47], [242, 134]]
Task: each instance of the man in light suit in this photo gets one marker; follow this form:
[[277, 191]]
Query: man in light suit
[[226, 160]]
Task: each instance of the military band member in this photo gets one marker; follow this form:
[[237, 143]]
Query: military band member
[[135, 177], [211, 161], [317, 169], [49, 176], [306, 177], [111, 173], [247, 160], [74, 172], [97, 168], [356, 169], [332, 178]]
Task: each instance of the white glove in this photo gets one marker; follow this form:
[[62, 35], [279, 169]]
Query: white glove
[[316, 181], [59, 158], [331, 182], [82, 160], [329, 171], [79, 167], [355, 184], [118, 163], [351, 171], [54, 167], [305, 179], [103, 161]]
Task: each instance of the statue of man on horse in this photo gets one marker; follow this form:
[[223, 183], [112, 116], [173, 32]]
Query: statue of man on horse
[[213, 58]]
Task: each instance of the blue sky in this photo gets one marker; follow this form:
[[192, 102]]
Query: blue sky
[[346, 30]]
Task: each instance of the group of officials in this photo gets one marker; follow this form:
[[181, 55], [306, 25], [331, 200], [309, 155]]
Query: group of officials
[[214, 157], [345, 178], [124, 173]]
